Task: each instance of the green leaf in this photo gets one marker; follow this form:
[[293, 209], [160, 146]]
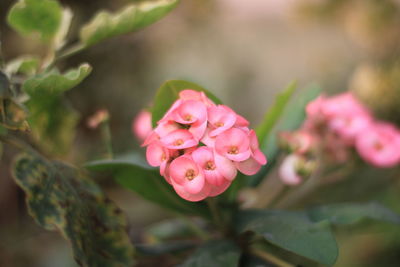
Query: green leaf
[[36, 16], [291, 119], [60, 198], [27, 65], [52, 119], [5, 91], [293, 231], [275, 112], [53, 123], [169, 92], [132, 18], [215, 253], [351, 213], [53, 82], [149, 184]]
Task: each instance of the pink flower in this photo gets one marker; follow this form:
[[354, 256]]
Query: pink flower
[[179, 139], [300, 142], [380, 145], [288, 171], [214, 173], [195, 95], [234, 144], [189, 112], [141, 125], [187, 176], [196, 171], [348, 126], [253, 164], [157, 156], [220, 119]]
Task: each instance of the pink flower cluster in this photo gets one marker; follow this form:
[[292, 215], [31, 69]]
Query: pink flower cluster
[[377, 142], [199, 146], [337, 125]]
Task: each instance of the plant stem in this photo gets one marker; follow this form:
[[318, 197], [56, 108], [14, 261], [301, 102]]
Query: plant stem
[[15, 143], [217, 218], [106, 136], [301, 192], [270, 258], [70, 51]]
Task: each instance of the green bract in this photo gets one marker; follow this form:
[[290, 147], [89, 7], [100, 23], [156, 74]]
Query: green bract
[[59, 197], [36, 16], [131, 18]]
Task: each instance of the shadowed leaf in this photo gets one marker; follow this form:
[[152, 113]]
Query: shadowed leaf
[[216, 253], [293, 231], [290, 119], [351, 213], [149, 184], [132, 18], [59, 197], [274, 113]]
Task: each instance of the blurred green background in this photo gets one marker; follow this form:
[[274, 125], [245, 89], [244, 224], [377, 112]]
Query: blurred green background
[[244, 51]]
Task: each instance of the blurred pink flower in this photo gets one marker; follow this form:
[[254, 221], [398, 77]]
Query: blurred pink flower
[[380, 145], [141, 126], [288, 171]]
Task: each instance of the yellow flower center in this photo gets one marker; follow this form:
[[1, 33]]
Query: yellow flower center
[[210, 166], [233, 150], [190, 174]]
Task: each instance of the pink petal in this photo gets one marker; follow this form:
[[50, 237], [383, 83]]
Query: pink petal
[[287, 170], [153, 136], [249, 166], [225, 167], [217, 190], [141, 125], [195, 185], [156, 154], [221, 119], [166, 127], [190, 111], [179, 189], [198, 129], [207, 139], [168, 115], [214, 177], [179, 139], [259, 156], [179, 167]]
